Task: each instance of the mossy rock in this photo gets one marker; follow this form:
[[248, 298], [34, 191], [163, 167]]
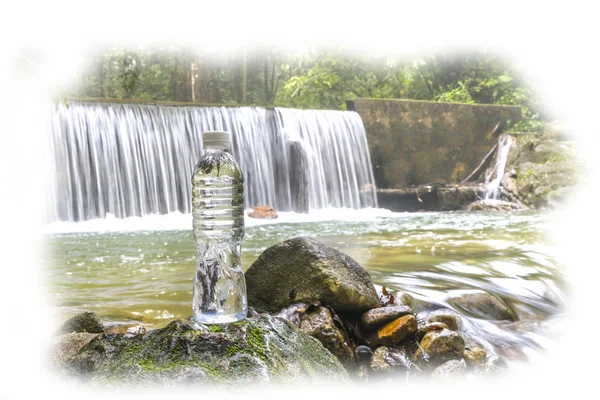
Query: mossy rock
[[305, 270], [257, 350], [541, 170]]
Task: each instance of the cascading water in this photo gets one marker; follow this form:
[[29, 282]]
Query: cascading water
[[134, 160], [495, 174]]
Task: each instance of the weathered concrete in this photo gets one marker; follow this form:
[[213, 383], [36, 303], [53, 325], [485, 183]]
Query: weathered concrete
[[418, 142]]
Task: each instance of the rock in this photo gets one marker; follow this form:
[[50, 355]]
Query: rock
[[447, 317], [388, 359], [66, 346], [293, 312], [394, 332], [546, 171], [258, 349], [439, 346], [457, 198], [318, 323], [263, 212], [378, 317], [306, 270], [363, 353], [483, 305], [432, 326], [450, 369], [493, 205], [86, 322], [475, 356]]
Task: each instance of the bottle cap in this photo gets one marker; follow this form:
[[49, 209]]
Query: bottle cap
[[216, 139]]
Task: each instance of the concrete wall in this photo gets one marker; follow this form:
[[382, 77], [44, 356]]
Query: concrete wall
[[416, 142]]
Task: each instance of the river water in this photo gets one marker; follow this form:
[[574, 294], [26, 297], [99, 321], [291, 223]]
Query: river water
[[141, 269]]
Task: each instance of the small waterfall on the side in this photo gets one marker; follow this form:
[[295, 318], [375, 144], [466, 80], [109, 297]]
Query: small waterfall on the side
[[495, 174], [134, 160]]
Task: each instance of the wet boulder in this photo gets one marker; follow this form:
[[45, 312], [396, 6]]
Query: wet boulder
[[447, 317], [394, 332], [483, 305], [66, 346], [257, 350], [438, 346], [318, 322], [475, 356], [431, 326], [450, 369], [378, 317], [493, 205], [305, 270], [389, 359], [86, 322], [263, 212]]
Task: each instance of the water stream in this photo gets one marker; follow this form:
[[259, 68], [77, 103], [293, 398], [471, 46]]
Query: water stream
[[494, 175], [141, 269]]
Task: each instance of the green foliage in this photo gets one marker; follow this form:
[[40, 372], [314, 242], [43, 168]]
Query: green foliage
[[319, 79]]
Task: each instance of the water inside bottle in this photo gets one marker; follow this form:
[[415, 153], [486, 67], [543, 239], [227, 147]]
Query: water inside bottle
[[218, 215]]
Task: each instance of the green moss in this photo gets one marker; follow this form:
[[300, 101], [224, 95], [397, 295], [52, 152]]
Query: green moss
[[232, 350], [215, 328]]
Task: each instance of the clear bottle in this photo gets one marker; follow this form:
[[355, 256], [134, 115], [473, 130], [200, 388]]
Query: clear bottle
[[218, 214]]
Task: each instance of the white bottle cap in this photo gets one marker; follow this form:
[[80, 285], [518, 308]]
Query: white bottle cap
[[219, 139]]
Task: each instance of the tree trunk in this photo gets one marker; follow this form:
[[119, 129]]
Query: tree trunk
[[193, 80], [266, 77]]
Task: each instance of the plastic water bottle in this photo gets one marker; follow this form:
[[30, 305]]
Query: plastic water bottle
[[218, 213]]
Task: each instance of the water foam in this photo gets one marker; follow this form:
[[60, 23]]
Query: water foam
[[180, 221]]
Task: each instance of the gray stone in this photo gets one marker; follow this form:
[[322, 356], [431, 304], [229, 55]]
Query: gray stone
[[306, 270], [258, 349], [318, 323], [440, 345], [544, 170], [388, 359], [450, 369], [66, 346], [483, 305], [447, 317], [378, 317], [363, 353], [86, 322]]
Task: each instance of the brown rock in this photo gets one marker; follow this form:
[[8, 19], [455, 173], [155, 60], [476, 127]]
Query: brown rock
[[378, 317], [394, 332], [447, 317], [475, 356], [263, 212], [318, 323], [432, 326], [438, 346]]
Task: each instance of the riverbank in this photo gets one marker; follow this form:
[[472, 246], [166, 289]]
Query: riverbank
[[371, 331]]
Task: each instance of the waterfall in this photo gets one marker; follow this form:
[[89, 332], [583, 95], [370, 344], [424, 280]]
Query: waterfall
[[494, 175], [134, 160]]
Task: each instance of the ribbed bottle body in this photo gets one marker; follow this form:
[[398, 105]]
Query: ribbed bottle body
[[218, 219]]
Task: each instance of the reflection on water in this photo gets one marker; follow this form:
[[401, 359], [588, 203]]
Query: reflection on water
[[147, 275]]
